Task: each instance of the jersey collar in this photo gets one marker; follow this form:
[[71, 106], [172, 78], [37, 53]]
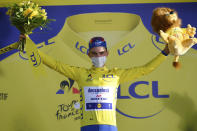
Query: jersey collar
[[105, 21], [100, 69], [100, 22]]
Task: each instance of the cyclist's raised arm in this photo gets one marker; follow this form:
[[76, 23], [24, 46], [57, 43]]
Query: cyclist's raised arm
[[135, 72], [71, 72], [65, 69]]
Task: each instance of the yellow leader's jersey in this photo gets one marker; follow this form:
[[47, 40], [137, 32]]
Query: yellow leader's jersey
[[98, 87]]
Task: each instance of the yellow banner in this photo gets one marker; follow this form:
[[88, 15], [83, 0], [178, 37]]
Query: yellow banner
[[164, 97]]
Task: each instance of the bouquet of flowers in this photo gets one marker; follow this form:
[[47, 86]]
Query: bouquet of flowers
[[27, 16]]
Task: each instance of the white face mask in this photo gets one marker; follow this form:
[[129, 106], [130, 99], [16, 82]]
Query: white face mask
[[99, 61]]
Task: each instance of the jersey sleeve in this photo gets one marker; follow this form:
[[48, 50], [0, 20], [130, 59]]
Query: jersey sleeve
[[129, 74], [71, 72]]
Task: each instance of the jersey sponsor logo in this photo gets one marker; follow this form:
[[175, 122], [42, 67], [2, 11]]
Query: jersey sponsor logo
[[99, 106], [97, 98], [133, 94], [108, 77], [101, 98], [102, 90], [99, 95]]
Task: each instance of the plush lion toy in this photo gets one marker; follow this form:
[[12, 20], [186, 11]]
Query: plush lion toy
[[167, 24]]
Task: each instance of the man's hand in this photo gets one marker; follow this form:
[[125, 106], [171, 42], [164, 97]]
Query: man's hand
[[16, 46], [22, 36], [166, 50], [21, 42]]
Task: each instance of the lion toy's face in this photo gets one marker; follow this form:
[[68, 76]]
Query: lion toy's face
[[164, 18]]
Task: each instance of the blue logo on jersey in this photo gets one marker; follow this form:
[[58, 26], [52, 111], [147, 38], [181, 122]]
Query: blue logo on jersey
[[108, 76], [98, 90], [125, 49], [98, 106]]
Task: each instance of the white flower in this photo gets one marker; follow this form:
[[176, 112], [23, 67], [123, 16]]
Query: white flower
[[28, 2], [21, 9]]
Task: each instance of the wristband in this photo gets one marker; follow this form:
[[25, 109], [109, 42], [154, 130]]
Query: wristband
[[164, 53]]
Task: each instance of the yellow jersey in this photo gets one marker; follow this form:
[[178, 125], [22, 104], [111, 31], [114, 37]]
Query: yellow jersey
[[98, 87]]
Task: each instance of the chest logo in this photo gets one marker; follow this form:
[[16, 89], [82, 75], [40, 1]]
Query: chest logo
[[108, 77]]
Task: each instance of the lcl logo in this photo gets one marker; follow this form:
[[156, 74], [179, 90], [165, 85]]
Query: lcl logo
[[81, 48], [34, 60], [133, 94], [125, 49]]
